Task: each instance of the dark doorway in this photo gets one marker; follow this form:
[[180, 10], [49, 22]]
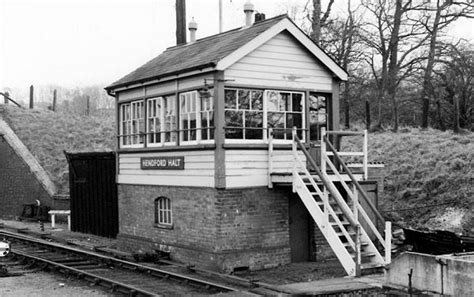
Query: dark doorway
[[299, 220], [319, 113], [93, 191], [319, 117]]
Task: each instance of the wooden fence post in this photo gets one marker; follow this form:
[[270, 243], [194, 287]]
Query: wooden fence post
[[31, 96], [367, 115], [88, 99], [7, 95], [54, 100]]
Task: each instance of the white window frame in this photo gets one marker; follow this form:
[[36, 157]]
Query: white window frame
[[244, 111], [188, 108], [303, 115], [265, 117], [160, 101], [154, 104], [163, 212], [208, 109], [134, 116], [124, 120]]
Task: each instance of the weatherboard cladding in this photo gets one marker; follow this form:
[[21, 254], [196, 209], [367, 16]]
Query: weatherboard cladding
[[202, 53]]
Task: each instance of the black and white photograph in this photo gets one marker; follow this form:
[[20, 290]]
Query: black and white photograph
[[236, 148]]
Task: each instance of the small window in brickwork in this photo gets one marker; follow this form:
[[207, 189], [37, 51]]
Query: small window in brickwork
[[163, 215]]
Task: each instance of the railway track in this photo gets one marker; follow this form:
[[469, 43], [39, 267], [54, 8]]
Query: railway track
[[116, 275]]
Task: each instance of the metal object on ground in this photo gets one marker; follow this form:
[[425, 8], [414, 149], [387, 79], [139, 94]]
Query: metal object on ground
[[4, 248]]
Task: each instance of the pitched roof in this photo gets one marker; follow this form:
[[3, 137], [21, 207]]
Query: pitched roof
[[224, 49], [205, 52]]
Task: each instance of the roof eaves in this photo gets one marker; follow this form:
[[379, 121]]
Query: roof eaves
[[143, 80]]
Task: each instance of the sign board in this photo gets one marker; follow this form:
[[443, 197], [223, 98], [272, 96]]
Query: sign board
[[158, 163]]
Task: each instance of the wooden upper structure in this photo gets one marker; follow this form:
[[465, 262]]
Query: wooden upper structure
[[210, 103]]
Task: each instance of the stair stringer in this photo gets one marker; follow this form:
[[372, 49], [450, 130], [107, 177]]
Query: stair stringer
[[363, 235], [318, 216]]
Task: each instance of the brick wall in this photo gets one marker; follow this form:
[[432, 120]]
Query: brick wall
[[18, 185], [322, 250], [194, 217], [216, 229], [253, 226]]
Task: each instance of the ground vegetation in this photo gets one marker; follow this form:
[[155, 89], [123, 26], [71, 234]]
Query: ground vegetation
[[428, 177], [48, 134]]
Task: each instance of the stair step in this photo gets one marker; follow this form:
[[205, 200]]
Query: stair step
[[307, 183], [334, 206], [346, 244], [351, 233], [363, 254], [331, 202], [305, 179], [371, 265], [339, 223], [342, 222]]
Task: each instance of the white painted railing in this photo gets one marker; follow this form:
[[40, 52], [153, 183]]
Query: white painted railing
[[363, 153], [353, 193], [354, 214], [352, 267]]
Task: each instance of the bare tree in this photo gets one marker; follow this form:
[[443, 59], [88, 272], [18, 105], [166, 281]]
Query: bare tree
[[445, 12], [317, 21], [454, 86], [396, 38], [341, 40]]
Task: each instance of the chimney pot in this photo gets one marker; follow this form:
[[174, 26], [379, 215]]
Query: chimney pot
[[192, 26], [248, 10], [259, 17]]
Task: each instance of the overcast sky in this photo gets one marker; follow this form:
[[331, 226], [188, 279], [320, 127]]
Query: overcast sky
[[77, 43]]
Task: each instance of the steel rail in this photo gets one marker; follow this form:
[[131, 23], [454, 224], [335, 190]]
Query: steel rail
[[118, 286], [108, 261]]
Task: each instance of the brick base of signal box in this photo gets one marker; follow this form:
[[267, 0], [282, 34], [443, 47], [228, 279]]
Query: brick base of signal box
[[216, 229]]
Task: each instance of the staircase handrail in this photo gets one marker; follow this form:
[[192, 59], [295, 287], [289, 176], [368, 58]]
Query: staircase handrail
[[354, 180], [345, 133], [326, 182], [326, 203]]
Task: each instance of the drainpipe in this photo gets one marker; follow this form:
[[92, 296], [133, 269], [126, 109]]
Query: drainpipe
[[442, 262], [410, 290]]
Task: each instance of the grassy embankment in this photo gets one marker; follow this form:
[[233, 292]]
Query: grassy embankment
[[429, 175], [429, 178], [47, 134]]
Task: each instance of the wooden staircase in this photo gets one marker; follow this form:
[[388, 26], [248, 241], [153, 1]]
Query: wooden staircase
[[336, 209]]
